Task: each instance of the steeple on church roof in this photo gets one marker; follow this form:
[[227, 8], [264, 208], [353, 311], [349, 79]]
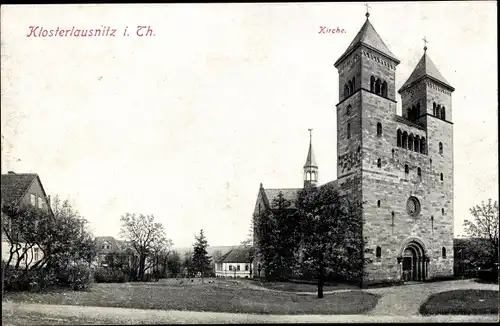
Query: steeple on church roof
[[370, 38], [425, 68], [311, 160]]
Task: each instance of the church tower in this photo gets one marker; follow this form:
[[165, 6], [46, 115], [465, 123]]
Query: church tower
[[400, 167], [310, 167]]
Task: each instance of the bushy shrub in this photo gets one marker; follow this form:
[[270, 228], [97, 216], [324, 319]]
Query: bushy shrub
[[488, 275], [110, 275]]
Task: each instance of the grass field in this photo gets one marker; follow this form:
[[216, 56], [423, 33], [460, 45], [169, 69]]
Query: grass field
[[217, 296], [461, 302]]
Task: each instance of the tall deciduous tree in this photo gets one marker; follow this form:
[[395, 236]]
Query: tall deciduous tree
[[174, 264], [484, 226], [331, 241], [146, 237], [201, 260], [277, 238]]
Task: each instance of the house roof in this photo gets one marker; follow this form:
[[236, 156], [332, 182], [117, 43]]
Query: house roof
[[115, 244], [15, 186], [426, 68], [368, 37], [236, 255], [289, 194]]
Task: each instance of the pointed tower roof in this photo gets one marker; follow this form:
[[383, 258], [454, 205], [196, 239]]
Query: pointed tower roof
[[310, 160], [368, 37], [426, 68]]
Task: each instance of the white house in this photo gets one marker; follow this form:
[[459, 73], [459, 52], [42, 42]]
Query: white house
[[235, 263]]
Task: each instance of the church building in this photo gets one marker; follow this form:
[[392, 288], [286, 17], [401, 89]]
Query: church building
[[400, 166]]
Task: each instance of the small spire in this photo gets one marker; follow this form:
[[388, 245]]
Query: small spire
[[367, 12], [310, 135], [425, 44]]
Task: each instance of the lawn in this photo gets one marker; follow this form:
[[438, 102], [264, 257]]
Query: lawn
[[299, 287], [219, 296], [461, 302]]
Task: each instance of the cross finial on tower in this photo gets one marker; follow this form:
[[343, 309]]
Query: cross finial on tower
[[367, 12], [425, 43]]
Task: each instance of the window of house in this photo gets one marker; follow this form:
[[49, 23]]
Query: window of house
[[378, 252], [33, 200], [410, 142], [40, 202], [405, 140], [348, 131], [238, 267], [399, 138], [443, 252], [443, 113], [230, 267], [246, 267], [379, 163], [379, 129], [372, 84]]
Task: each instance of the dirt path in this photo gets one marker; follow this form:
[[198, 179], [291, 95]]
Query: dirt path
[[37, 314]]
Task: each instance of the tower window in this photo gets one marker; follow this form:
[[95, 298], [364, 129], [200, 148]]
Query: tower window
[[434, 108], [441, 177], [440, 148], [348, 131], [405, 140], [416, 145], [372, 84], [438, 111], [378, 252], [313, 177], [419, 172], [378, 203], [379, 129], [379, 163], [399, 138], [410, 142], [384, 89], [378, 86], [351, 87], [422, 145], [443, 252], [443, 113], [346, 91], [407, 169]]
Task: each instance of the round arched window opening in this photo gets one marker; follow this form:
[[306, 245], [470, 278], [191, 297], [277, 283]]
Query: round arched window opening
[[413, 206]]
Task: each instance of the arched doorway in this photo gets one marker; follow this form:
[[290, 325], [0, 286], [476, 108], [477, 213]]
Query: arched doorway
[[413, 262]]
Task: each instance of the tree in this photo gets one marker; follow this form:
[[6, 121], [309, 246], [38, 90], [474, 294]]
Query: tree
[[331, 238], [201, 260], [277, 238], [483, 227], [174, 264], [187, 264], [146, 237]]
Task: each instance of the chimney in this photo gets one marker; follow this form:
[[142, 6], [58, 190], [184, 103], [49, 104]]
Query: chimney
[[11, 172]]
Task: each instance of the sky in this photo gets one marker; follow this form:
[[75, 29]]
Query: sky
[[185, 124]]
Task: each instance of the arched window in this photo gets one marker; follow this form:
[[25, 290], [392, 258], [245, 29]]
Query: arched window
[[441, 177], [443, 113], [379, 163], [410, 142], [407, 169], [443, 252], [405, 140], [440, 148], [346, 90], [434, 108], [378, 252], [416, 146], [384, 89], [422, 145], [351, 87], [438, 111], [378, 86], [379, 129], [378, 203], [348, 109], [308, 175], [419, 172], [313, 177], [372, 84], [399, 138]]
